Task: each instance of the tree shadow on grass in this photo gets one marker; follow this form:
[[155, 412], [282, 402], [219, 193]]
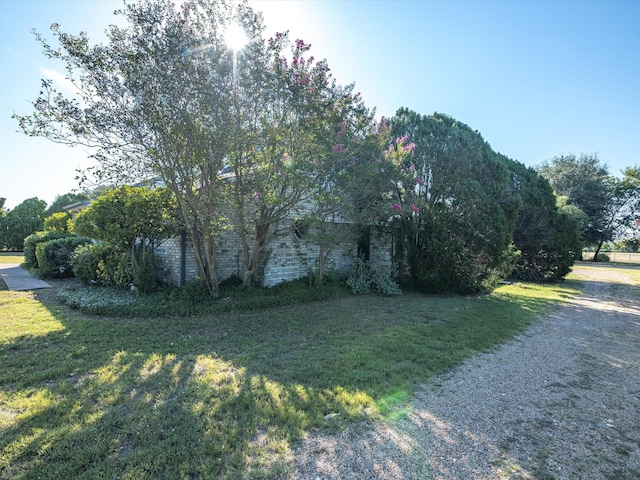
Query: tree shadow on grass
[[227, 396]]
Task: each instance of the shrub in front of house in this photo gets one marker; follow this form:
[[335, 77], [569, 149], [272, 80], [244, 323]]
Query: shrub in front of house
[[369, 277], [102, 264], [30, 243], [53, 256]]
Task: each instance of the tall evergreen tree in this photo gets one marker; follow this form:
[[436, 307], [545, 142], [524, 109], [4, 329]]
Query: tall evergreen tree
[[455, 205]]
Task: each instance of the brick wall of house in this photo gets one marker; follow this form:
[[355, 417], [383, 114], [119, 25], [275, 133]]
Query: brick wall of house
[[288, 257], [169, 261]]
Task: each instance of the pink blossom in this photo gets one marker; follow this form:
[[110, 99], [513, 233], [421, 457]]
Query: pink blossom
[[257, 195], [414, 208], [412, 168], [410, 147], [396, 207], [303, 47], [352, 163], [338, 148], [419, 181], [402, 139]]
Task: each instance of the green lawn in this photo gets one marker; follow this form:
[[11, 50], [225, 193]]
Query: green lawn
[[11, 257], [225, 396]]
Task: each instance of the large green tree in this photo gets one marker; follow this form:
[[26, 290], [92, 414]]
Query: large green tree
[[290, 144], [20, 222], [610, 204], [585, 182], [454, 206], [234, 134]]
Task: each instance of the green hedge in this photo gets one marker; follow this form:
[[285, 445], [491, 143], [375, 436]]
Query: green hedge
[[53, 256], [30, 243], [102, 264]]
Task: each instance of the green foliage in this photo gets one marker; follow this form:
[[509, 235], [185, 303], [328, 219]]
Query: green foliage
[[626, 245], [115, 270], [134, 220], [602, 257], [548, 238], [18, 223], [31, 242], [60, 222], [453, 207], [192, 298], [54, 256], [126, 216], [610, 204], [269, 115], [586, 183], [370, 277], [102, 264]]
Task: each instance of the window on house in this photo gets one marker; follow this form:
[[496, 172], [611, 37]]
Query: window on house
[[299, 229]]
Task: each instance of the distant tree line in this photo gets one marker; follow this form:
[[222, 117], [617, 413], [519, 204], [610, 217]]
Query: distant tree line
[[30, 216]]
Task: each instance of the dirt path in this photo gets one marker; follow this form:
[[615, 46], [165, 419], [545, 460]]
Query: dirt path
[[561, 401]]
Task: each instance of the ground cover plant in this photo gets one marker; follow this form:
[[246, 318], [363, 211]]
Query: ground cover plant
[[225, 395], [193, 299]]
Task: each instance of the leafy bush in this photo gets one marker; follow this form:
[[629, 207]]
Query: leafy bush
[[603, 257], [32, 240], [58, 222], [370, 277], [53, 256], [102, 264], [135, 220]]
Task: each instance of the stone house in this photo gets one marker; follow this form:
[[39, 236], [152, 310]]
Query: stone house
[[288, 257]]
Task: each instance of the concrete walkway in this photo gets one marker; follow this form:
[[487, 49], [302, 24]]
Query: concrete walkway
[[17, 278]]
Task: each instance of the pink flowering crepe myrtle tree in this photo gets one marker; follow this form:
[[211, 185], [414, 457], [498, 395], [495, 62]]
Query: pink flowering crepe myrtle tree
[[406, 184], [293, 149]]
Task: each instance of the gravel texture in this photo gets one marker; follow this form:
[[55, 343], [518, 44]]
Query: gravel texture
[[561, 401]]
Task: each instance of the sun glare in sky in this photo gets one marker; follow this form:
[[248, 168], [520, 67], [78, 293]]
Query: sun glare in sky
[[535, 78], [235, 37]]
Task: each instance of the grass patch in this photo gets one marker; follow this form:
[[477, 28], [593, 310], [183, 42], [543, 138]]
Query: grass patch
[[11, 257], [623, 279], [225, 395]]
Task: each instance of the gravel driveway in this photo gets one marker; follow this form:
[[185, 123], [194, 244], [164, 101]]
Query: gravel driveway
[[561, 401]]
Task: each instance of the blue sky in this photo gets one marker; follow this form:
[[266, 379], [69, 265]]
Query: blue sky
[[535, 78]]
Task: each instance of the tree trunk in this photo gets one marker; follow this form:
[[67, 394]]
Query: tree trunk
[[256, 254], [204, 252], [595, 255]]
